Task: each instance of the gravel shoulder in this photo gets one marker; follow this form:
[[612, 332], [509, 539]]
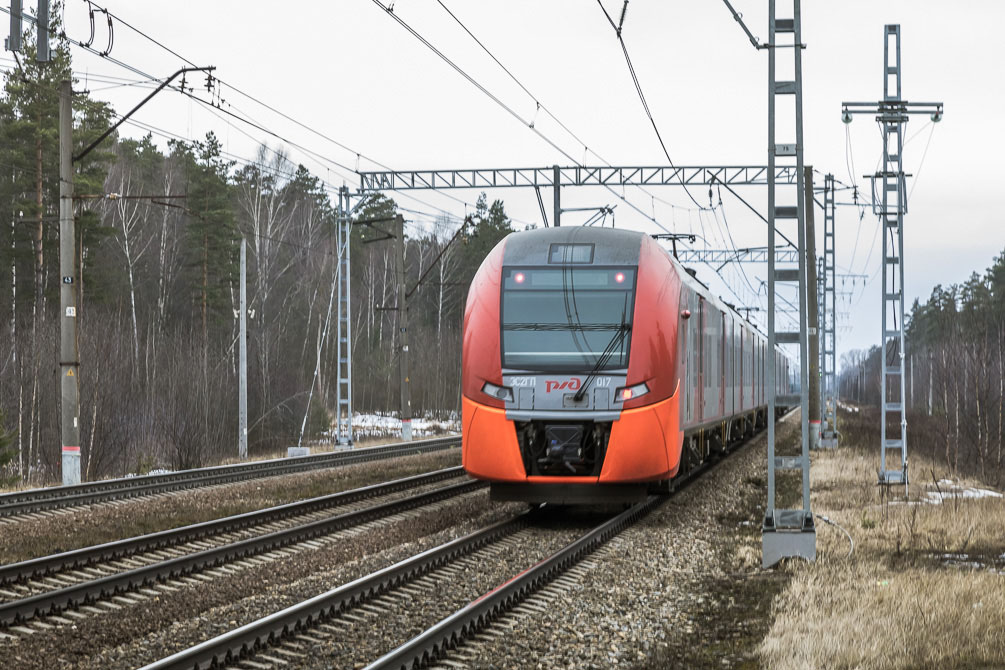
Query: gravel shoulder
[[52, 532]]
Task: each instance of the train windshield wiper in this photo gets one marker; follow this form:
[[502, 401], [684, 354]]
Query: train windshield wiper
[[616, 340]]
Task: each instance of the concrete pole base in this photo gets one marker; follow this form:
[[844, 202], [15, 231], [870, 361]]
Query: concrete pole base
[[814, 434], [406, 430], [71, 466]]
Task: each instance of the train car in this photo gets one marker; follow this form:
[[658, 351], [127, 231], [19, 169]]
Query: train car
[[596, 368]]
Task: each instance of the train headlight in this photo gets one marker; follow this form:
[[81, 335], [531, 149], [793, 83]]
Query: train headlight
[[630, 392], [501, 392]]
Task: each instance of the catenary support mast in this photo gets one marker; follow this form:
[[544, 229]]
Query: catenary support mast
[[69, 356], [343, 334], [787, 532], [890, 204], [828, 320]]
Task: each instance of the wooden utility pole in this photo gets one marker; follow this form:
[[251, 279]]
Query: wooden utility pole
[[69, 358], [812, 313], [402, 305]]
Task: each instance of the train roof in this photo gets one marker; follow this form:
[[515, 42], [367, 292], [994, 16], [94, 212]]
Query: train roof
[[610, 246]]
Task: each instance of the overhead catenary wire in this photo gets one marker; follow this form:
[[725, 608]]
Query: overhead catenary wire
[[507, 108], [642, 97], [259, 126], [540, 105]]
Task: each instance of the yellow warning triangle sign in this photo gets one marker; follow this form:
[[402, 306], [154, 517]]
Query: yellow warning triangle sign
[[69, 373]]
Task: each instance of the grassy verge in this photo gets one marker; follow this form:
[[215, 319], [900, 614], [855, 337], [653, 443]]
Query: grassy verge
[[924, 586]]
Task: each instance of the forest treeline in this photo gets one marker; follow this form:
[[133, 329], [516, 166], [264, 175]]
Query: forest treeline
[[158, 293], [955, 374]]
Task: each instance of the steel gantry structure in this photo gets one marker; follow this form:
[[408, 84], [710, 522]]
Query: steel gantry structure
[[890, 204], [722, 257], [659, 175]]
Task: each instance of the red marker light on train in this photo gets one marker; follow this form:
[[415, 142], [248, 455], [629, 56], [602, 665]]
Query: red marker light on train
[[620, 277], [624, 393], [518, 277]]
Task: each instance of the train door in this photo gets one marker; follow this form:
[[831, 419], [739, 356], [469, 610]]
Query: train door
[[743, 365], [685, 336], [724, 373], [702, 361]]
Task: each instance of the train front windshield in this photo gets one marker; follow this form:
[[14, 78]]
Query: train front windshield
[[568, 319]]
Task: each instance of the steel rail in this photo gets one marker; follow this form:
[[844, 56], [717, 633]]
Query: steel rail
[[245, 641], [41, 567], [54, 602], [448, 633], [53, 497]]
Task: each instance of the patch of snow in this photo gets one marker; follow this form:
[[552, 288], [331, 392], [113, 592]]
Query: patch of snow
[[949, 490], [155, 471], [389, 425]]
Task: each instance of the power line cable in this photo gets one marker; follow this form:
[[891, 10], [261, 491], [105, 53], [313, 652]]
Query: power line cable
[[541, 106], [259, 102], [642, 97]]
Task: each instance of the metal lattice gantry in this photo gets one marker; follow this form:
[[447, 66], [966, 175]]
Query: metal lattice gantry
[[660, 175], [890, 204], [745, 255], [787, 532]]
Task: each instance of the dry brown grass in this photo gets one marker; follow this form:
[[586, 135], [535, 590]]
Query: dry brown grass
[[895, 603], [860, 614]]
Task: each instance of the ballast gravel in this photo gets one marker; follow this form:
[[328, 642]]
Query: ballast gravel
[[649, 595], [134, 635]]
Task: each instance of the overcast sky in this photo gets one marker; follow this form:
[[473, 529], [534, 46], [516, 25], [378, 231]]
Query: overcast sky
[[346, 69]]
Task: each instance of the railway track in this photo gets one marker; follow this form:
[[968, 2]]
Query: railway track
[[54, 588], [59, 497], [293, 636], [365, 608]]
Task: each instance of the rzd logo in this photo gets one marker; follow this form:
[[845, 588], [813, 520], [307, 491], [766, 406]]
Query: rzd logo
[[554, 385]]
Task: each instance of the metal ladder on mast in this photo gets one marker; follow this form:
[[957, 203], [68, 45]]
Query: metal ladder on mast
[[787, 533]]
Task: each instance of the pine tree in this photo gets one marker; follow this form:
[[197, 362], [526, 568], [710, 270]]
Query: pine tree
[[8, 453], [212, 240]]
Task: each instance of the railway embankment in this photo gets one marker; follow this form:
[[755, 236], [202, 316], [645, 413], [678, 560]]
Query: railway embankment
[[45, 533], [925, 584]]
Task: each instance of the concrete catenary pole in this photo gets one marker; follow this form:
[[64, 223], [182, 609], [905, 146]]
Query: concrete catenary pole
[[813, 317], [406, 395], [69, 356], [242, 394]]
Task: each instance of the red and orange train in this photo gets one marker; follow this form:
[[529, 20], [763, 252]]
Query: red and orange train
[[595, 368]]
